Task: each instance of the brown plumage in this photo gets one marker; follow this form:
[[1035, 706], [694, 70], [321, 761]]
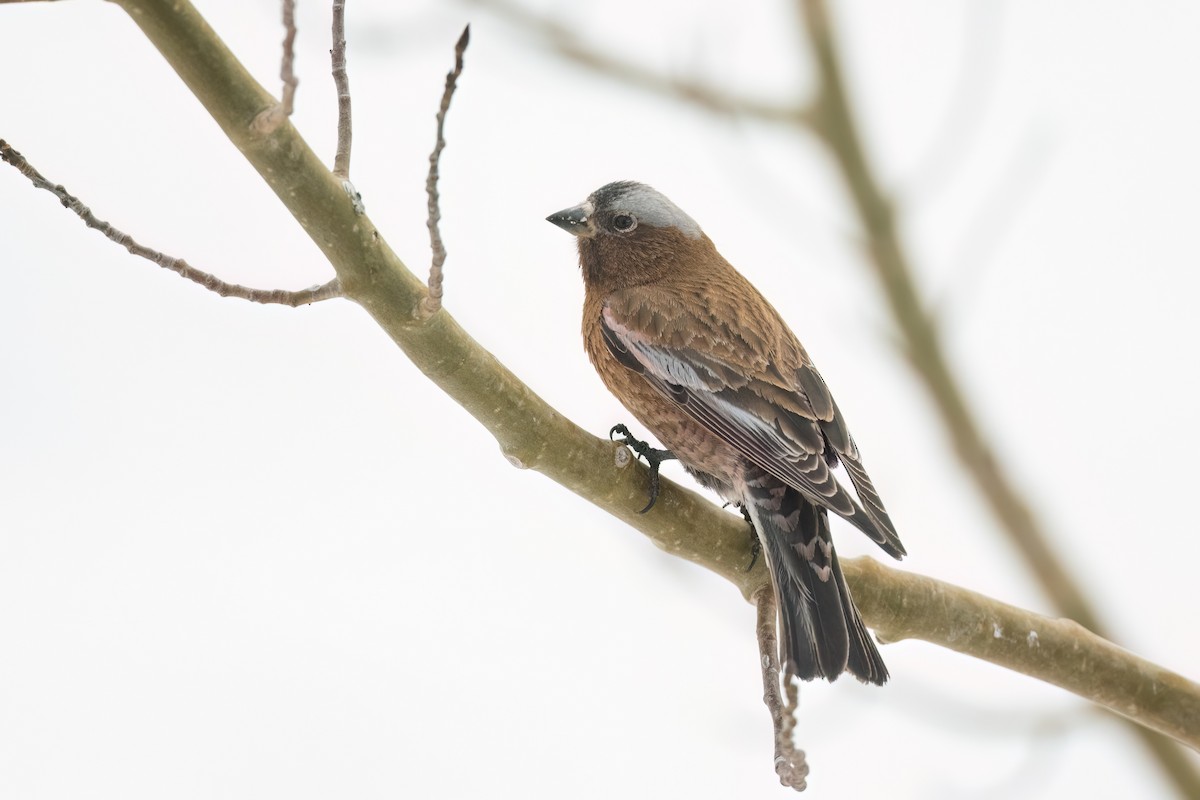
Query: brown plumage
[[693, 350]]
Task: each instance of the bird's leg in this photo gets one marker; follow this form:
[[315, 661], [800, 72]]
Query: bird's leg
[[755, 542], [654, 458]]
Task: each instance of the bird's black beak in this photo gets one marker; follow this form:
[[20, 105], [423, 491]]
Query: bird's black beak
[[576, 220]]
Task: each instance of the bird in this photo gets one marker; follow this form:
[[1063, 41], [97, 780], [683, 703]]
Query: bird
[[706, 364]]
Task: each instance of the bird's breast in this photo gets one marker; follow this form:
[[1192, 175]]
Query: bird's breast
[[697, 449]]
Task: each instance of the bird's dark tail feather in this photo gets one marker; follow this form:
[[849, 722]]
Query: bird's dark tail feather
[[821, 632]]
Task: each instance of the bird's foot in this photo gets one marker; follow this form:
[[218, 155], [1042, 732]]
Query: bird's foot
[[755, 542], [654, 458]]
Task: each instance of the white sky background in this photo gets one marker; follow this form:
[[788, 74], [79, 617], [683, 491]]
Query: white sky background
[[251, 551]]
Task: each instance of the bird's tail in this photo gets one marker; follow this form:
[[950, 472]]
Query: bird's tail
[[821, 632]]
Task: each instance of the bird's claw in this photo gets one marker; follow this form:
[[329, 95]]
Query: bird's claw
[[755, 542], [654, 458], [755, 550]]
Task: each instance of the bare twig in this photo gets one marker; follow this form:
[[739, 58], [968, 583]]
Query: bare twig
[[341, 160], [432, 302], [790, 763], [271, 118], [567, 44], [177, 265], [286, 71]]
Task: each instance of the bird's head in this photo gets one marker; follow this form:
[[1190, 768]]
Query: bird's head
[[630, 234], [619, 209]]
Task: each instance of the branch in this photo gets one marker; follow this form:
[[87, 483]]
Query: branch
[[176, 265], [286, 73], [273, 117], [433, 302], [531, 434], [341, 80], [790, 763], [899, 605]]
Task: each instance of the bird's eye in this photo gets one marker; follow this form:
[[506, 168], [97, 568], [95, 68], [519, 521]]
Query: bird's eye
[[624, 223]]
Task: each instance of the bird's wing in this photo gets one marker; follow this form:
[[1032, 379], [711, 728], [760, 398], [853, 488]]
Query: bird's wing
[[749, 382]]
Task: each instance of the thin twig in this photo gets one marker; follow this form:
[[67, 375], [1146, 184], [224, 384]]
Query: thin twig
[[269, 120], [177, 265], [432, 302], [790, 763], [341, 160], [286, 71]]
